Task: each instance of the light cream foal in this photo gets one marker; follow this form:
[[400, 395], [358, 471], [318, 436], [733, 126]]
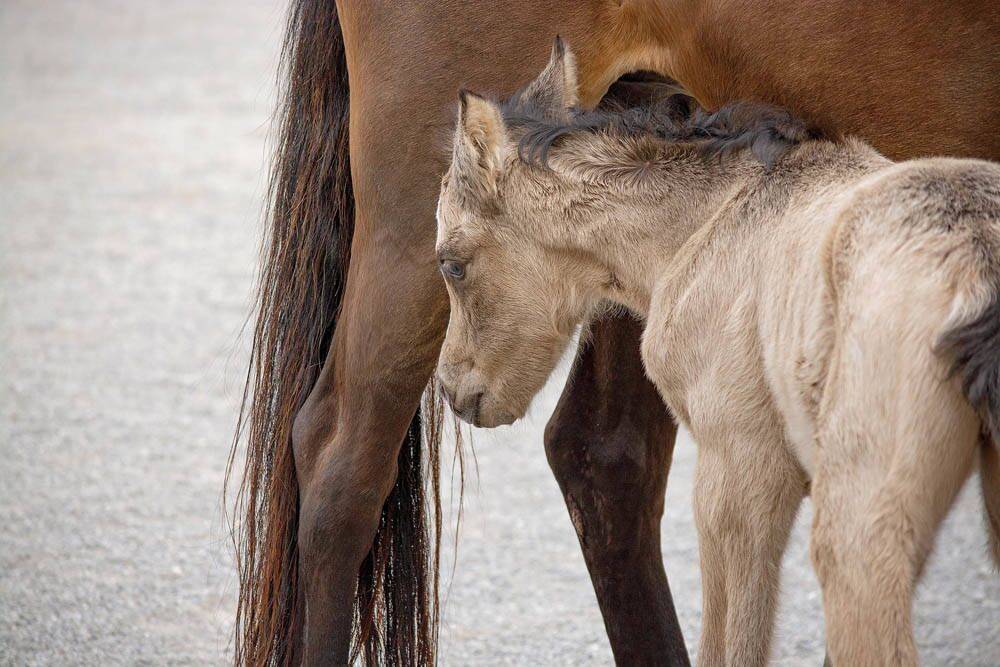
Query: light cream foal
[[820, 318]]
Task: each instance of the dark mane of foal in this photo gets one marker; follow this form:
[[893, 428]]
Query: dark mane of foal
[[767, 131]]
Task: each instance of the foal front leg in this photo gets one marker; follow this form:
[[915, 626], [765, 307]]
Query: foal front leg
[[746, 495]]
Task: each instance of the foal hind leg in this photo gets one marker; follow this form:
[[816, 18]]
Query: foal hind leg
[[747, 493], [609, 444], [989, 479], [893, 456]]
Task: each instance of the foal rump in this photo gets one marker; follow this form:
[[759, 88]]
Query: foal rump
[[965, 202], [924, 237], [943, 223]]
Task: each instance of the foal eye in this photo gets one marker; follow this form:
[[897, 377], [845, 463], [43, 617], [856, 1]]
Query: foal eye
[[453, 269]]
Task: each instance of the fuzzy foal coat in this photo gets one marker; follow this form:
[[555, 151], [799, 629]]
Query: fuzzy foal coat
[[805, 320], [798, 335]]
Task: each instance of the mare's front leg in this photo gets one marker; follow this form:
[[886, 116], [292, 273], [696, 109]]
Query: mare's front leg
[[748, 489], [610, 443]]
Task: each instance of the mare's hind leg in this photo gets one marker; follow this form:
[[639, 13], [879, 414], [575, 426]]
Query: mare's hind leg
[[610, 443], [747, 492], [348, 434], [895, 445]]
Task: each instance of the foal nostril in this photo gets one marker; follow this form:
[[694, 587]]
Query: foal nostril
[[475, 402], [468, 409]]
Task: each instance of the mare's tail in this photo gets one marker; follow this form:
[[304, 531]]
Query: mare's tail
[[305, 257]]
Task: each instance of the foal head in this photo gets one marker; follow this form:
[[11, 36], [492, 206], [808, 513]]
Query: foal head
[[520, 244], [514, 302]]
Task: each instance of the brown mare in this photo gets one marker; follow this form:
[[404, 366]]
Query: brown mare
[[339, 526]]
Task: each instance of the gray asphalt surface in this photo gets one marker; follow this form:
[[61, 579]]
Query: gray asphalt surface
[[132, 139]]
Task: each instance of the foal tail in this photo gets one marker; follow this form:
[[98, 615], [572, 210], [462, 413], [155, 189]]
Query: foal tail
[[304, 264], [976, 349], [968, 204]]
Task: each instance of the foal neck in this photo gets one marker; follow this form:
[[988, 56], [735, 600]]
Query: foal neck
[[641, 225]]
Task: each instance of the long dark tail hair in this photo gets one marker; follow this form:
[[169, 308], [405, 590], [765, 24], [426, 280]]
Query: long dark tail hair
[[304, 262]]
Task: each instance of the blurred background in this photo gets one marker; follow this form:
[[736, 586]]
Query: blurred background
[[133, 148]]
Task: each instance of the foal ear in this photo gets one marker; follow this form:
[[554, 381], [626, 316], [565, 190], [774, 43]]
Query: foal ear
[[480, 143], [554, 91]]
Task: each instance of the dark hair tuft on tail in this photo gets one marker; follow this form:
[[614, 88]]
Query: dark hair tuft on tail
[[976, 349]]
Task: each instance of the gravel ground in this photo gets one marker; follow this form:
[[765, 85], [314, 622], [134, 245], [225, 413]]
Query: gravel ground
[[132, 140]]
